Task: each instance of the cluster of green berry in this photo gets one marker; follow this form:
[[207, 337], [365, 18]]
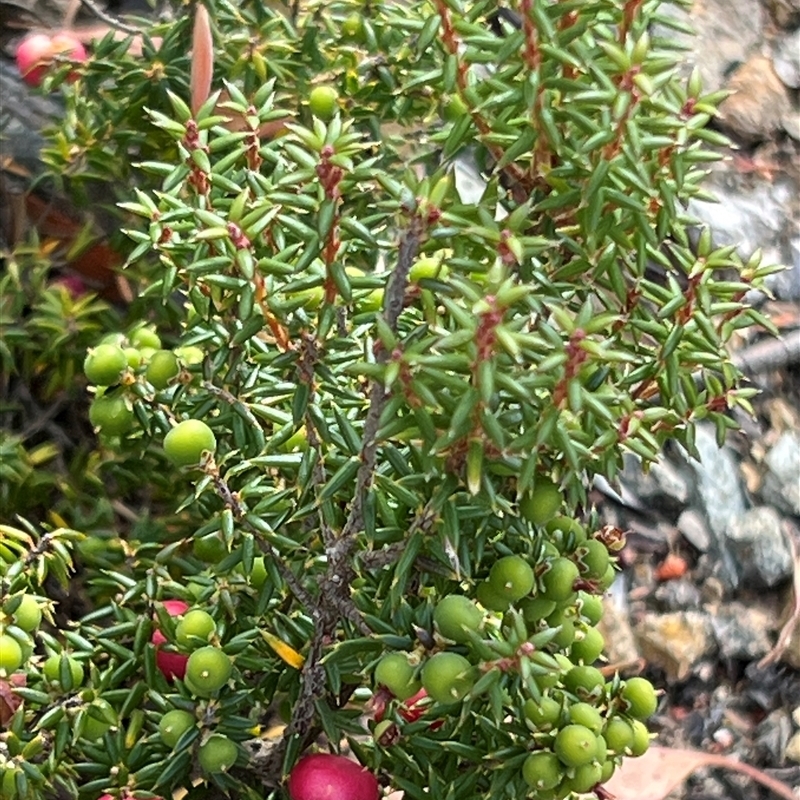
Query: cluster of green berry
[[531, 631], [126, 368], [59, 676], [193, 655]]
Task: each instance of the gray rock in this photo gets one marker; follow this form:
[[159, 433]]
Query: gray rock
[[758, 103], [772, 735], [782, 483], [694, 529], [757, 542], [785, 12], [662, 488], [742, 632], [675, 642], [720, 496], [786, 59], [728, 31], [678, 595]]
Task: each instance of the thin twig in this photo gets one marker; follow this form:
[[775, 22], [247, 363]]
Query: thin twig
[[790, 626], [393, 305], [110, 19]]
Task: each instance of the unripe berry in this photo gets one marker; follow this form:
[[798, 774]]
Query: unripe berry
[[396, 673], [105, 364], [641, 738], [10, 654], [196, 627], [575, 745], [174, 724], [542, 770], [162, 368], [68, 677], [217, 754], [111, 415], [187, 441], [456, 614], [511, 577], [208, 670], [542, 503], [323, 101], [559, 579], [640, 697], [447, 677], [28, 614]]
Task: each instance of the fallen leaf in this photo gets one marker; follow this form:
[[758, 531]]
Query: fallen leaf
[[661, 770]]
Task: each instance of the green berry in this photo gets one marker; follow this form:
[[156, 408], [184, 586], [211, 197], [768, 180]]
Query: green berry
[[353, 27], [535, 609], [105, 364], [584, 681], [396, 672], [456, 614], [585, 777], [162, 369], [618, 734], [558, 580], [640, 698], [111, 415], [544, 714], [542, 770], [11, 657], [587, 715], [28, 614], [195, 627], [565, 636], [641, 738], [593, 559], [491, 599], [174, 724], [567, 532], [64, 671], [323, 102], [610, 575], [512, 577], [428, 268], [208, 670], [590, 607], [575, 745], [447, 677], [588, 646], [217, 754], [145, 337], [210, 548], [99, 719], [187, 441], [134, 356], [542, 503]]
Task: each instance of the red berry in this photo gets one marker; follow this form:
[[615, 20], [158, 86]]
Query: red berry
[[35, 54], [172, 665], [324, 775]]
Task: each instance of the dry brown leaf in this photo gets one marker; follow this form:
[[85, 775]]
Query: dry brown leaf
[[9, 701], [661, 770]]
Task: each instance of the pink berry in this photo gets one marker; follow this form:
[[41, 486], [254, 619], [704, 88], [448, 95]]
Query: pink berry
[[36, 51], [172, 665]]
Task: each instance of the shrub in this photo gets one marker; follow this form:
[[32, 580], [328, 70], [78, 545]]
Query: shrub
[[383, 385]]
